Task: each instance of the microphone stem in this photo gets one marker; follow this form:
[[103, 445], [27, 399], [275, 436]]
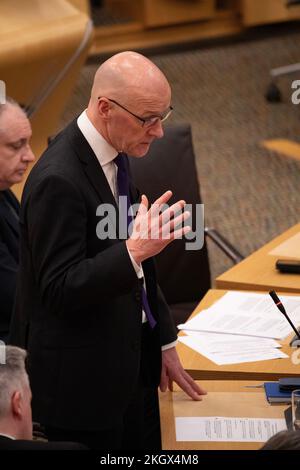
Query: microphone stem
[[295, 329]]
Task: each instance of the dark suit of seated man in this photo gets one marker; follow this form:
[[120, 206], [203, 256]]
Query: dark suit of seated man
[[15, 406], [15, 155], [6, 443]]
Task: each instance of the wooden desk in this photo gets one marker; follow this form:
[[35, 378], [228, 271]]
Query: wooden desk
[[201, 368], [258, 272], [248, 403]]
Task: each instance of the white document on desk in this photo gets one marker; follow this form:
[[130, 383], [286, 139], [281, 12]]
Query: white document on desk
[[216, 428], [217, 342], [233, 349], [249, 314]]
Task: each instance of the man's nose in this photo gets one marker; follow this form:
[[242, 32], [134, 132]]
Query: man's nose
[[157, 130], [28, 155]]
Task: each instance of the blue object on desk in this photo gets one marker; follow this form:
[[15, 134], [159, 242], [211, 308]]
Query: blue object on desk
[[274, 395]]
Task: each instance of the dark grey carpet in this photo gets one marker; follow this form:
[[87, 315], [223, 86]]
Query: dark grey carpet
[[250, 194]]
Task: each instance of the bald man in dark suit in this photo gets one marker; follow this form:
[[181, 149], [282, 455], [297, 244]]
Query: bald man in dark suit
[[97, 327]]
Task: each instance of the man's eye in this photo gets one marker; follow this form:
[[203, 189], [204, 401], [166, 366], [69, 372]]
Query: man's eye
[[16, 146], [152, 119]]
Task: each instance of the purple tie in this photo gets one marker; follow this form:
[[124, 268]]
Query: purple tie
[[123, 188]]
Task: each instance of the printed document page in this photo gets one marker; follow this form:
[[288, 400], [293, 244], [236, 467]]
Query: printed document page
[[249, 314], [217, 428], [232, 349]]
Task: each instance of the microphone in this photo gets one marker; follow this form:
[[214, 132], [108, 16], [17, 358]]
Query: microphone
[[296, 340]]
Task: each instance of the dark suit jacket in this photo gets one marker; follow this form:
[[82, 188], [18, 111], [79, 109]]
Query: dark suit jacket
[[10, 444], [78, 297], [9, 257]]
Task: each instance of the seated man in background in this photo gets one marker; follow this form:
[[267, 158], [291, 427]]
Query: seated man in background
[[15, 155], [15, 405]]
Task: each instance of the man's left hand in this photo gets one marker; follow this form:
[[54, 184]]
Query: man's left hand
[[172, 370]]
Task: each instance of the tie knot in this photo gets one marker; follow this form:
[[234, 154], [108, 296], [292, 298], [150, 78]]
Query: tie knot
[[120, 161]]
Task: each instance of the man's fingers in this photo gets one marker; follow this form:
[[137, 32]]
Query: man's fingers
[[169, 227], [180, 232], [143, 208], [154, 210], [191, 388], [163, 199], [144, 204], [171, 211], [188, 385], [163, 380], [169, 236], [193, 384]]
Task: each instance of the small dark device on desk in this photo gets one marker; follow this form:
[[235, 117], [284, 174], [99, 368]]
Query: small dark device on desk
[[288, 384], [288, 266]]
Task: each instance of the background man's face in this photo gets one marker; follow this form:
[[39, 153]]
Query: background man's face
[[15, 151]]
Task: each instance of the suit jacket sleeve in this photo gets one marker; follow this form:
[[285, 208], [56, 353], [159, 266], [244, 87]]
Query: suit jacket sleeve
[[168, 332], [68, 279]]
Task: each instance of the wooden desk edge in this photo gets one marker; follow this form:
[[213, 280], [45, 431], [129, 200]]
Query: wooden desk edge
[[237, 375]]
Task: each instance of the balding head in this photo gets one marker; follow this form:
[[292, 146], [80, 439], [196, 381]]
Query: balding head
[[127, 75], [15, 151], [7, 106], [128, 89]]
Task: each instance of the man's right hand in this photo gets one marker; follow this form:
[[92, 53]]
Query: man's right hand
[[154, 229]]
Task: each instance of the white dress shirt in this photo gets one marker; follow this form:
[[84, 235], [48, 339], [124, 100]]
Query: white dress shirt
[[105, 154]]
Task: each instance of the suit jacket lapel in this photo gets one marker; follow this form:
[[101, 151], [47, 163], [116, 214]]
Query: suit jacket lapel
[[92, 168], [7, 200], [13, 200]]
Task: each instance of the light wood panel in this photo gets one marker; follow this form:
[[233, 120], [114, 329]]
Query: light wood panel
[[258, 272], [166, 12], [153, 13], [161, 23], [256, 12], [111, 39], [37, 41], [284, 147], [82, 5]]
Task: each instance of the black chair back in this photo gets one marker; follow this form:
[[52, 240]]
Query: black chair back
[[184, 276]]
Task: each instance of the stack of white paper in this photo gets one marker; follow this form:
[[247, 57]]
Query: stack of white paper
[[232, 349], [241, 327]]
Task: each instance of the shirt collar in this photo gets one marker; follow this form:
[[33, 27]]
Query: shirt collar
[[8, 436], [104, 152]]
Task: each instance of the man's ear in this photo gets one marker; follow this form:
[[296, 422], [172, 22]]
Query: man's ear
[[16, 404], [104, 108]]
